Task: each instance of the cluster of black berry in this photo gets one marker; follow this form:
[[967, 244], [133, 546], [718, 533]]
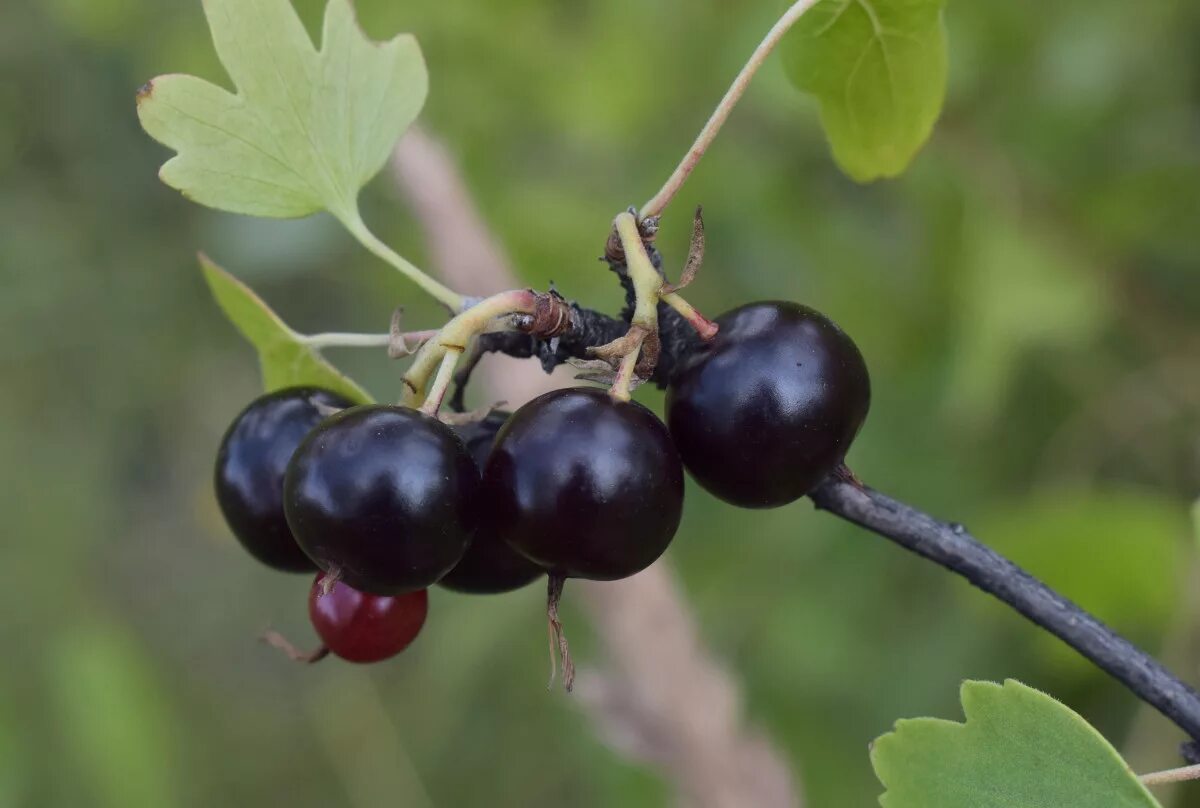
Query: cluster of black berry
[[385, 501]]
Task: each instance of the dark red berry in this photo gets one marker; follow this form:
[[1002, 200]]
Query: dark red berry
[[360, 627], [490, 566], [250, 467], [771, 406], [384, 497], [586, 486]]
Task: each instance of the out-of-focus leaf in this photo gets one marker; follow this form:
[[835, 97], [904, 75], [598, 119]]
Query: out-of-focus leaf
[[114, 720], [878, 69], [1018, 291], [306, 130], [284, 359], [1018, 748], [106, 22], [14, 758], [1196, 521], [1114, 552]]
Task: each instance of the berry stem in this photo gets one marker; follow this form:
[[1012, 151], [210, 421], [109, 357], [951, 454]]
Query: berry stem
[[455, 335], [647, 282], [1180, 775], [554, 590], [443, 294], [646, 279], [441, 383], [658, 203], [621, 389], [952, 547], [705, 327]]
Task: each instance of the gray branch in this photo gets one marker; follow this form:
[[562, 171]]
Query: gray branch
[[951, 546]]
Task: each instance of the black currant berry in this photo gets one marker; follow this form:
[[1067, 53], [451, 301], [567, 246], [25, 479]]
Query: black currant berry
[[250, 466], [586, 486], [383, 497], [490, 566], [360, 627], [770, 407]]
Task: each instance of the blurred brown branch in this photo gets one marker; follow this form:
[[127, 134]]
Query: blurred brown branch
[[662, 698]]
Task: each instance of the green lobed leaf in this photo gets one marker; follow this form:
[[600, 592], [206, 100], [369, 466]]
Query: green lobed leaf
[[283, 357], [1019, 748], [878, 69], [306, 129]]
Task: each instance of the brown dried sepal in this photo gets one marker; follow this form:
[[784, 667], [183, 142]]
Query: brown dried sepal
[[602, 372], [637, 338], [613, 352], [695, 256], [398, 344]]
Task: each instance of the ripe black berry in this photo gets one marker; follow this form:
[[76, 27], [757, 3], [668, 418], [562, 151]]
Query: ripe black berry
[[490, 566], [770, 407], [383, 497], [250, 466], [585, 486], [360, 627]]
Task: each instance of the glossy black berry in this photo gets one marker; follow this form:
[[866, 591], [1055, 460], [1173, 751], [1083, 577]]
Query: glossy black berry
[[771, 406], [360, 627], [250, 466], [383, 496], [490, 565], [585, 486]]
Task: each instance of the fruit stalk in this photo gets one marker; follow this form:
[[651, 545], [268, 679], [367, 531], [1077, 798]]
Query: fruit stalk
[[455, 335], [441, 383], [658, 203], [951, 546], [643, 325], [705, 327]]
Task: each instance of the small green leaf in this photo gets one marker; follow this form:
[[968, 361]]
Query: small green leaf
[[306, 129], [284, 358], [878, 70], [1019, 748]]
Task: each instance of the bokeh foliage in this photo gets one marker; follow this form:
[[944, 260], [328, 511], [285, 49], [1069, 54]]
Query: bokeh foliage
[[1026, 297]]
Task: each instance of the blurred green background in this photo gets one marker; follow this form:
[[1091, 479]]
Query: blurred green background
[[1026, 297]]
